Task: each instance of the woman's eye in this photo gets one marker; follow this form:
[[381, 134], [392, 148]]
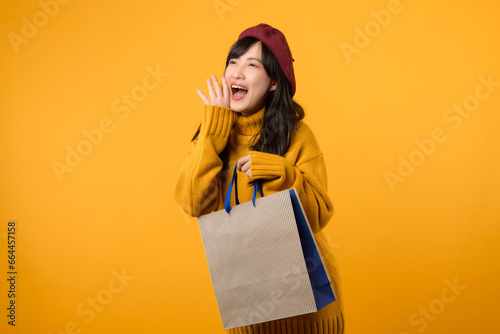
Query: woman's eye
[[232, 62], [252, 64]]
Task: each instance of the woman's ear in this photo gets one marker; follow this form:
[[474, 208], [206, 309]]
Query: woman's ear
[[274, 85]]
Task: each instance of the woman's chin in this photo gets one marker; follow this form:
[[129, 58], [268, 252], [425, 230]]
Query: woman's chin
[[243, 112], [236, 108]]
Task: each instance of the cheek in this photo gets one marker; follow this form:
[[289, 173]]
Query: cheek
[[262, 83]]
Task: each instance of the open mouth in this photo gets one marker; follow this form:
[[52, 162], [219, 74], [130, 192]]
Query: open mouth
[[238, 91]]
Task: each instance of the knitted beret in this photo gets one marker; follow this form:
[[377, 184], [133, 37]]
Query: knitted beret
[[276, 42]]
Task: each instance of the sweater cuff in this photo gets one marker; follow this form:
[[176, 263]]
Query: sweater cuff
[[217, 121], [268, 166]]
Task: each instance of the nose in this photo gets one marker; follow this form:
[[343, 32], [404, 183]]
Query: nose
[[237, 72]]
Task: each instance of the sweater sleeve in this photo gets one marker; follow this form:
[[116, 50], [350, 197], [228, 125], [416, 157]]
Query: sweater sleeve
[[307, 175], [196, 189]]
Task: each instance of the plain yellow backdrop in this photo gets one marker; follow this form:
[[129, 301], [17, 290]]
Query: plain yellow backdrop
[[98, 104]]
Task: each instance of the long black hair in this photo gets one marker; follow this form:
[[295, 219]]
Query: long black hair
[[282, 114]]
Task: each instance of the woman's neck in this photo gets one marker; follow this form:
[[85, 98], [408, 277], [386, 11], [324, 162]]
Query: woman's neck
[[250, 125]]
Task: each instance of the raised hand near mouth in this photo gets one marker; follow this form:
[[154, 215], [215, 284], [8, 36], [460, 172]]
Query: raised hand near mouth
[[219, 97]]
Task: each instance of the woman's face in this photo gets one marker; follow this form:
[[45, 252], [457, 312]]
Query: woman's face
[[248, 73]]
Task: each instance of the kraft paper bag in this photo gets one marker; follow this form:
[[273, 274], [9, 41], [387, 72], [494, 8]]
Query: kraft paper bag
[[261, 268]]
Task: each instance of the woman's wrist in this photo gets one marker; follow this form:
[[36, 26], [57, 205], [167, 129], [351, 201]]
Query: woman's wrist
[[217, 120], [268, 166]]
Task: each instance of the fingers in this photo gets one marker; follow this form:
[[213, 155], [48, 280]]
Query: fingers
[[218, 91], [218, 96], [211, 90], [226, 91], [203, 97], [244, 164]]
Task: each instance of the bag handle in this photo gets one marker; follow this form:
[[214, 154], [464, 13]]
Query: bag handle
[[256, 185], [227, 203]]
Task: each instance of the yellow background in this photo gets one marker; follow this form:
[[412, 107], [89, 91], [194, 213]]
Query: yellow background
[[396, 246]]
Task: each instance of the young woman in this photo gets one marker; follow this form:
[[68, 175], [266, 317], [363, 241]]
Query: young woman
[[253, 121]]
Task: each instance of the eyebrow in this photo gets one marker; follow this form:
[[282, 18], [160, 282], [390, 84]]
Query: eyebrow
[[260, 61], [250, 58]]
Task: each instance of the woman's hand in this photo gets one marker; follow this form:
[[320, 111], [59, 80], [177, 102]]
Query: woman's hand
[[219, 97], [244, 166]]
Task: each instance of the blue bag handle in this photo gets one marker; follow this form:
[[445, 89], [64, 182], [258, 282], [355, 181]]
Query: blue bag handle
[[227, 203], [256, 185]]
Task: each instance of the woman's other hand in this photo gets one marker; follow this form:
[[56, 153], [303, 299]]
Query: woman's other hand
[[244, 166], [219, 97]]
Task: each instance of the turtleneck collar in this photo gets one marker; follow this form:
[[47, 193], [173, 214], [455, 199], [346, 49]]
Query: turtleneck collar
[[249, 125]]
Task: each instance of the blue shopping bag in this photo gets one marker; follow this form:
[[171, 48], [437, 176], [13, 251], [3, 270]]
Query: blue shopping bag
[[320, 283]]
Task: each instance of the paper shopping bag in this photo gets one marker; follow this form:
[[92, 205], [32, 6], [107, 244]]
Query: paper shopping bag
[[263, 259]]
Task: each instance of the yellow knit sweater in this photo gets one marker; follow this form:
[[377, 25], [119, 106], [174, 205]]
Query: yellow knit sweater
[[202, 185]]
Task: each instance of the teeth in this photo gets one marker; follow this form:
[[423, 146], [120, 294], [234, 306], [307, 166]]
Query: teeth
[[239, 87]]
